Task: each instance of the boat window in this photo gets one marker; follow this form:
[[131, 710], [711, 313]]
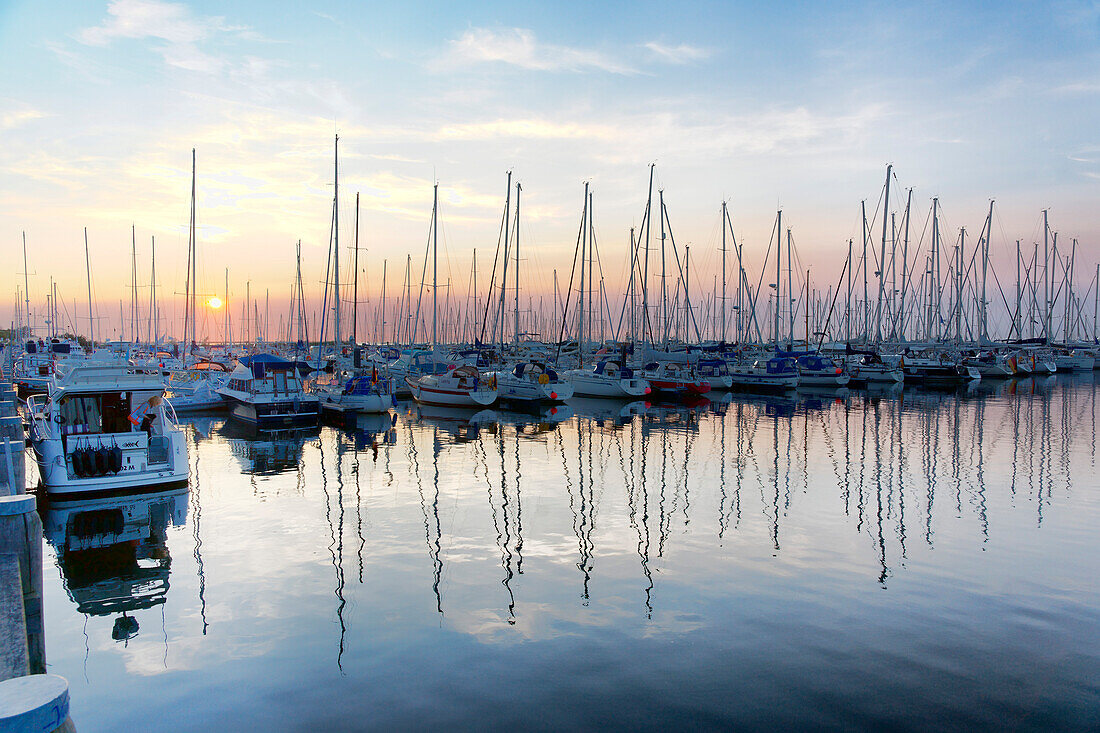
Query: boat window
[[80, 415], [280, 381]]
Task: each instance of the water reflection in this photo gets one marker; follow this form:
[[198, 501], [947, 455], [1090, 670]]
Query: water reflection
[[266, 453], [438, 532], [113, 553]]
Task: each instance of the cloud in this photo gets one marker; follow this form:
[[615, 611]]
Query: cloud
[[528, 128], [1079, 87], [519, 47], [173, 24], [681, 54], [15, 114]]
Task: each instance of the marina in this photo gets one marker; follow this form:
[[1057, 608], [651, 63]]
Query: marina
[[495, 367], [720, 514]]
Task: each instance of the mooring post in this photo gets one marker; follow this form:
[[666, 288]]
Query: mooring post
[[21, 621]]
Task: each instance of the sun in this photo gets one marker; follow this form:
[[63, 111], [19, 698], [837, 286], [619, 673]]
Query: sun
[[215, 302]]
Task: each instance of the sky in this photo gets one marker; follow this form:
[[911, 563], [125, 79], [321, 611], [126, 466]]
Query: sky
[[798, 106]]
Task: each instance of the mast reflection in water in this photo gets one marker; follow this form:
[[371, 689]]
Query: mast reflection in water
[[894, 558]]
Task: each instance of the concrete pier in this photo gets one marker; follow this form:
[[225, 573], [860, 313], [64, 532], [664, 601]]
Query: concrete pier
[[29, 698], [21, 626]]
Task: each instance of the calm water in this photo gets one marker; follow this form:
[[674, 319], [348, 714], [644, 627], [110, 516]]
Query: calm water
[[837, 560]]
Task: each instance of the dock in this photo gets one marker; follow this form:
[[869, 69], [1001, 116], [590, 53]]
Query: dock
[[30, 699]]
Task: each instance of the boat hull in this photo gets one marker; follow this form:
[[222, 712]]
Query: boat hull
[[587, 384], [366, 404], [57, 478], [678, 390], [277, 415], [823, 379], [518, 390], [429, 394], [754, 382]]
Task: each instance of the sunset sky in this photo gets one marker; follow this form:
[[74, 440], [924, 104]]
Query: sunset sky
[[793, 105]]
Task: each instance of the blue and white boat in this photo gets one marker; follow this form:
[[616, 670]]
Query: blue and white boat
[[776, 374], [266, 391], [369, 393]]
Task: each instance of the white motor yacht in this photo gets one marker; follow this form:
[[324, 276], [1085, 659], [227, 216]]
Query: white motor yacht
[[106, 429]]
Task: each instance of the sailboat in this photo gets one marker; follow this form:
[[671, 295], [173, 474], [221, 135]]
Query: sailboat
[[364, 392], [527, 381], [462, 386], [609, 376]]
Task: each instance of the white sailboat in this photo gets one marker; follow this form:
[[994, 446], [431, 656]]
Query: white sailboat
[[459, 387]]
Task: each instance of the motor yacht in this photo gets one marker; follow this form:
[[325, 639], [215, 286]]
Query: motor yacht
[[777, 374], [106, 428], [266, 391]]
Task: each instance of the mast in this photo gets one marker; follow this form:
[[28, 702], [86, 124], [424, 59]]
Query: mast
[[300, 313], [934, 283], [882, 258], [580, 305], [905, 264], [984, 327], [435, 263], [645, 264], [664, 292], [154, 315], [1069, 289], [593, 306], [133, 283], [722, 338], [1016, 315], [687, 289], [778, 269], [959, 284], [355, 288], [848, 302], [740, 280], [555, 298], [1095, 303], [194, 268], [519, 188], [336, 236], [26, 281], [865, 327], [790, 295], [381, 333], [88, 270], [225, 306], [1046, 283], [499, 329], [807, 309]]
